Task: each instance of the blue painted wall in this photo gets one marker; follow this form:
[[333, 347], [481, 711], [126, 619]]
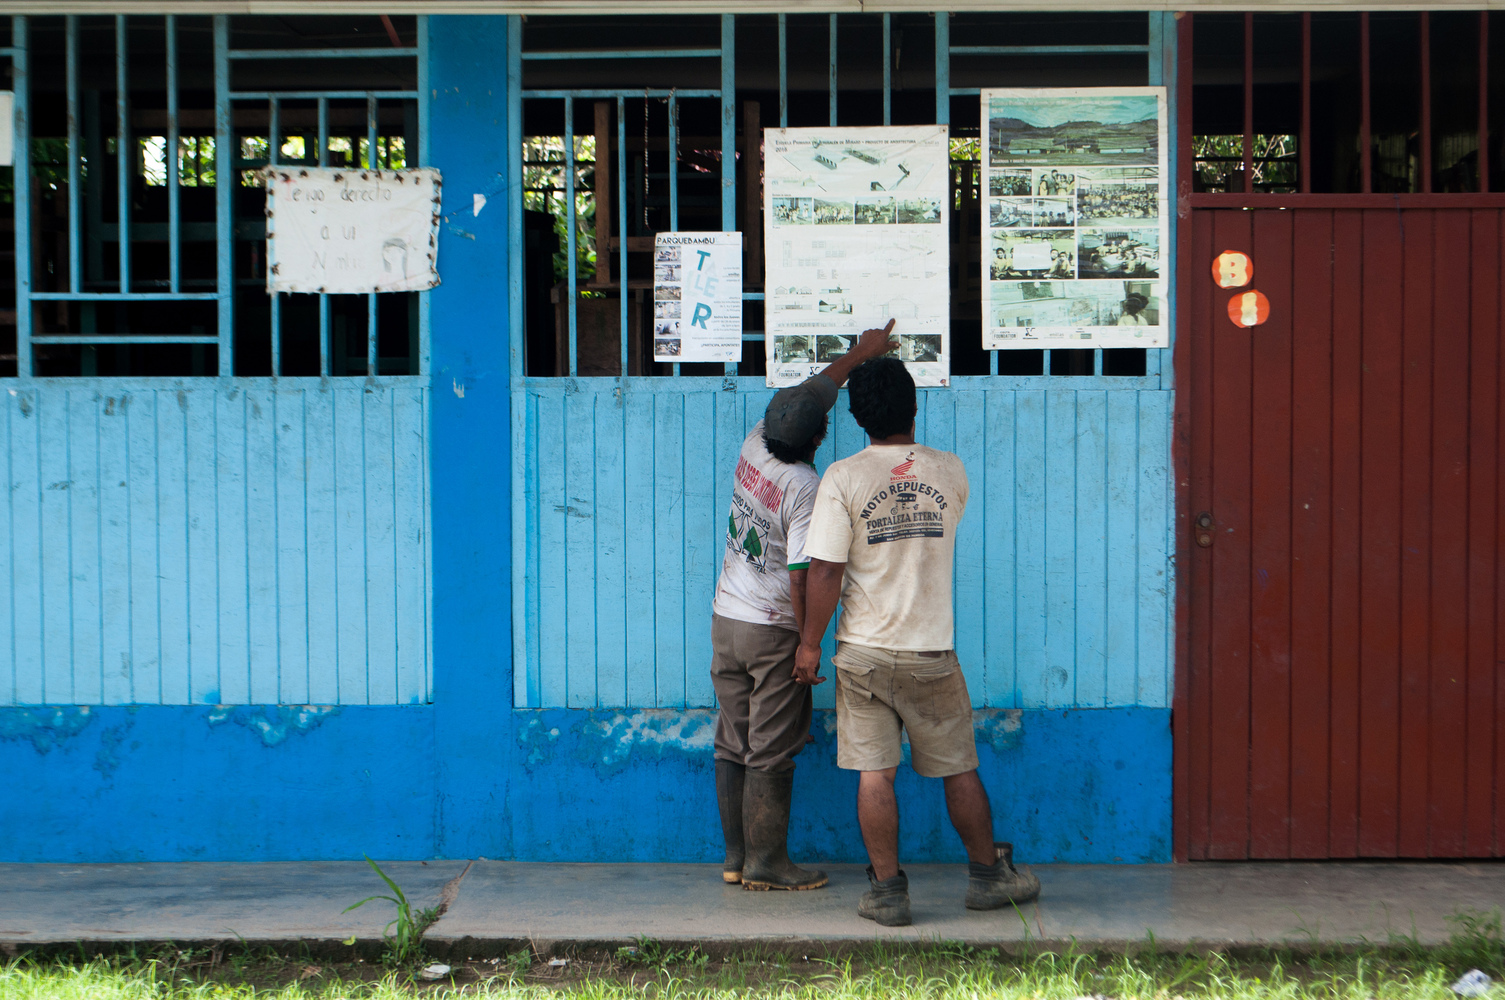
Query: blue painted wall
[[468, 775]]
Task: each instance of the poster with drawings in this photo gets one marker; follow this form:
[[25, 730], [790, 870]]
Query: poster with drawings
[[857, 233], [697, 297], [1075, 229]]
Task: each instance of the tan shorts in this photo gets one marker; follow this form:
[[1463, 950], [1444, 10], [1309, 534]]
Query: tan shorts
[[880, 691]]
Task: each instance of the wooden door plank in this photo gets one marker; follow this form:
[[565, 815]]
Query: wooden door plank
[[710, 451], [231, 489], [149, 526], [613, 603], [579, 632], [1312, 324], [378, 421], [116, 549], [642, 546], [54, 478], [1230, 619], [1153, 656], [1417, 248], [1029, 542], [1195, 393], [669, 561], [1091, 665], [1270, 545], [1497, 668], [1128, 599], [995, 508], [321, 558], [1380, 587], [1486, 261], [971, 588], [553, 572], [200, 456], [1347, 536], [263, 600], [1057, 683], [411, 599], [1447, 722]]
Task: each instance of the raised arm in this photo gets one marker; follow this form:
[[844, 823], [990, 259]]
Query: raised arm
[[822, 591], [872, 344]]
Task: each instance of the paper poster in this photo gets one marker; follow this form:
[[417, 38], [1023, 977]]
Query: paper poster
[[697, 297], [343, 231], [857, 233], [1075, 232]]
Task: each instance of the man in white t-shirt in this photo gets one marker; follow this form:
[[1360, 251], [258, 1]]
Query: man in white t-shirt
[[764, 715], [882, 538]]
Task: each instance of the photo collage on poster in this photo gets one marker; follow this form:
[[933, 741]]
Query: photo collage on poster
[[857, 233], [1075, 229]]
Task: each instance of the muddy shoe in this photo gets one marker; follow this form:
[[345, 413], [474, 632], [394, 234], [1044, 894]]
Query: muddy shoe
[[765, 818], [887, 902], [729, 780], [999, 884]]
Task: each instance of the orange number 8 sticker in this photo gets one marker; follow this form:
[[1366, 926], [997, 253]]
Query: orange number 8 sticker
[[1232, 269], [1249, 308]]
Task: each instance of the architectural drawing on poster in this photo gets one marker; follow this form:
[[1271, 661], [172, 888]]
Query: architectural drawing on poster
[[1076, 227], [857, 225], [697, 297], [344, 232]]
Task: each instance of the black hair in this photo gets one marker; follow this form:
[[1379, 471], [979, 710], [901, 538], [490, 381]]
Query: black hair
[[882, 397], [793, 455]]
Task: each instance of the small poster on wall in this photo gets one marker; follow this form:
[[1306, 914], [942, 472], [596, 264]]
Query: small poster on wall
[[697, 297], [342, 231], [857, 233], [1075, 233]]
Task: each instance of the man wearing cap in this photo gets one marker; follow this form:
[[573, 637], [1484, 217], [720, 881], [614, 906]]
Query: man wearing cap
[[758, 610]]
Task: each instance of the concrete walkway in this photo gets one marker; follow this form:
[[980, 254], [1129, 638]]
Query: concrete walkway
[[501, 905]]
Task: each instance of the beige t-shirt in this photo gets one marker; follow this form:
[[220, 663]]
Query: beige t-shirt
[[890, 513]]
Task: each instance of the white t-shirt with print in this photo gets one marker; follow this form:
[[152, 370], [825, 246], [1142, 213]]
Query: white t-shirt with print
[[765, 537], [890, 513]]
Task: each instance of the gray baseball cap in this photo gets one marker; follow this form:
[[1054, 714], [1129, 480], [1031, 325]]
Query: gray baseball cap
[[797, 413]]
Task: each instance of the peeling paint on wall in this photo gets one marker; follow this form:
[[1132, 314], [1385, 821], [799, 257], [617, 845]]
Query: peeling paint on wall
[[273, 723], [45, 726]]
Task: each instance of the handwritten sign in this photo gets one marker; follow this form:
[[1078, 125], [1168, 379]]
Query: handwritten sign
[[342, 231]]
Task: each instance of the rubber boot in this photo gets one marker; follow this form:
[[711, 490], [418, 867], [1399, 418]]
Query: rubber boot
[[887, 902], [765, 819], [729, 781], [990, 887]]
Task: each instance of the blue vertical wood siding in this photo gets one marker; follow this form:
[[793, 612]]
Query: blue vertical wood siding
[[190, 544], [1063, 572]]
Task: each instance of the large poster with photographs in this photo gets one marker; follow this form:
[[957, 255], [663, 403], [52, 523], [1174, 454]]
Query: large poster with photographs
[[697, 297], [857, 233], [1075, 232]]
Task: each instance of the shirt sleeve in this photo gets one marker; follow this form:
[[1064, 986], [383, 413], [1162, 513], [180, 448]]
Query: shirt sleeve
[[799, 505], [830, 537]]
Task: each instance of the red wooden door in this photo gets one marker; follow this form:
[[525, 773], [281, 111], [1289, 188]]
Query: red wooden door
[[1341, 685]]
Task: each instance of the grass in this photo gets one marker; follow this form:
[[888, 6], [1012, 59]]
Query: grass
[[1398, 970]]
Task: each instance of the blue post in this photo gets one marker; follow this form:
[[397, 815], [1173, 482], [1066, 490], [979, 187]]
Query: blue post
[[224, 190], [373, 161], [472, 138], [621, 223], [274, 150]]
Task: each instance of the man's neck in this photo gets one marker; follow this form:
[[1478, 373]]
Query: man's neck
[[892, 439]]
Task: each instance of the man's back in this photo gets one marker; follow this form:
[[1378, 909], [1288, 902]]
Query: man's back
[[890, 513]]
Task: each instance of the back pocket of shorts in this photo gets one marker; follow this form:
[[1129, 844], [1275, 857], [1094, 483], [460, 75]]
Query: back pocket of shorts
[[940, 692], [855, 682]]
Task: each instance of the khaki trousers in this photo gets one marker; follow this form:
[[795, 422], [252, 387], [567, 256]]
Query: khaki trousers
[[765, 714]]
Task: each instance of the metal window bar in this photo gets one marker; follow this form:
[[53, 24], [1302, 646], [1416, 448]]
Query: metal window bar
[[1153, 50], [227, 178]]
